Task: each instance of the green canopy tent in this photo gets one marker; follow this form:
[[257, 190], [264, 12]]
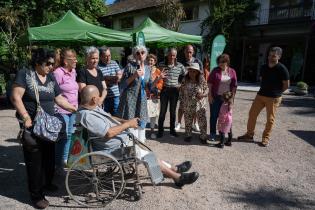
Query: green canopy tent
[[157, 36], [74, 31]]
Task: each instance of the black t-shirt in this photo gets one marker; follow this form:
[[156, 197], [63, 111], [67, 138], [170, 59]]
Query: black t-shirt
[[84, 76], [271, 80], [47, 92]]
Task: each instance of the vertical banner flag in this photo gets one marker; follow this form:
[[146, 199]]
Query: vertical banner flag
[[217, 49], [140, 39]]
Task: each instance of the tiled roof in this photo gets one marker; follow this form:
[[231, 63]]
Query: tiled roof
[[131, 5]]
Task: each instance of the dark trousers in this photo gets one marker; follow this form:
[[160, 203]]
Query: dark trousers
[[111, 105], [214, 113], [168, 95], [40, 167]]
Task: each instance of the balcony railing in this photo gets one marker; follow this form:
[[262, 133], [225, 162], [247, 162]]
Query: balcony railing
[[282, 13], [279, 14]]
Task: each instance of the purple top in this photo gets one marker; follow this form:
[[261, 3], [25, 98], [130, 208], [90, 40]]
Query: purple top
[[215, 79], [68, 86]]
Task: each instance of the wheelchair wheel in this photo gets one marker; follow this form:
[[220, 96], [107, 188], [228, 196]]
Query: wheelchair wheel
[[97, 182]]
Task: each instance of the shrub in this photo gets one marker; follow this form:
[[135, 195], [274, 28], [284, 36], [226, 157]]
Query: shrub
[[302, 85]]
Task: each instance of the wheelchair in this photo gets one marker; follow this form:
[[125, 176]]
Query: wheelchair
[[105, 176]]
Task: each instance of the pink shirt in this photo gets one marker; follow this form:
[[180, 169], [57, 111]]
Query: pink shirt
[[68, 86], [225, 118]]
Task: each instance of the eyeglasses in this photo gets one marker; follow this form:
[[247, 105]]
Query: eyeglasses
[[48, 63], [222, 62], [142, 53]]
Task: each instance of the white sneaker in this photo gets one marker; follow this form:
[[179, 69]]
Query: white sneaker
[[196, 127], [177, 126]]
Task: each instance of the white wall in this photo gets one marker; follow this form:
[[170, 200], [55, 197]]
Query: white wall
[[194, 26], [188, 27]]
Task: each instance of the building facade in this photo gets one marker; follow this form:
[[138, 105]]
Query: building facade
[[289, 24], [129, 14], [285, 23]]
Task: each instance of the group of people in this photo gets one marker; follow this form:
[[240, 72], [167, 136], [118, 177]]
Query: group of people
[[122, 94]]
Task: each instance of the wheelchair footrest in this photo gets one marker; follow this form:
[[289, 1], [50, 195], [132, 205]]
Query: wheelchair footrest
[[153, 168]]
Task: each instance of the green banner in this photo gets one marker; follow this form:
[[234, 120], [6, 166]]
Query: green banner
[[217, 49], [138, 38]]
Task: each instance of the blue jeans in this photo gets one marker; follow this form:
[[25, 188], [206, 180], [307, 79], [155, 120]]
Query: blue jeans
[[111, 105], [214, 113], [63, 145]]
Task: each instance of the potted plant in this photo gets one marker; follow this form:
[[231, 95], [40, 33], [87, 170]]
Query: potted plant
[[301, 88]]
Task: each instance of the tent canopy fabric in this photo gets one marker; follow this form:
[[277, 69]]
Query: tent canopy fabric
[[157, 36], [70, 29]]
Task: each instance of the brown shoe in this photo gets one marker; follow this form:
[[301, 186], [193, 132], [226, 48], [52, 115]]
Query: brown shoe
[[246, 137], [41, 204]]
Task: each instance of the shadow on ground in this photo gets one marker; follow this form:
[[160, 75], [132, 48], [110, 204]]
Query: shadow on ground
[[270, 198], [12, 173], [299, 101], [307, 136]]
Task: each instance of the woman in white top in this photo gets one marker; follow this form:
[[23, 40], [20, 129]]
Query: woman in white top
[[222, 79]]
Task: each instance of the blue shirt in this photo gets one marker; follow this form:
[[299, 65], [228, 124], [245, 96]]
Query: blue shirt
[[98, 122], [110, 69]]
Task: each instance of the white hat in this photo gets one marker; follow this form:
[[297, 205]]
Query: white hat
[[194, 66]]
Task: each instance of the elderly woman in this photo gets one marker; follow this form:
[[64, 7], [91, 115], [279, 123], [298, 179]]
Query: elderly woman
[[133, 101], [92, 75], [39, 155], [65, 75], [222, 79]]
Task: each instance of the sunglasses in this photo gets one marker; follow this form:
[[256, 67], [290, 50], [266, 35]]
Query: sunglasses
[[73, 59], [48, 63], [142, 53]]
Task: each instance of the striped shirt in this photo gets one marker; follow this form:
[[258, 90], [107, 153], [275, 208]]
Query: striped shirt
[[172, 75], [110, 69]]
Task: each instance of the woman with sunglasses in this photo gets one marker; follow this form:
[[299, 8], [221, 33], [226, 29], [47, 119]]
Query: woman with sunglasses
[[222, 79], [65, 75], [39, 154], [133, 100]]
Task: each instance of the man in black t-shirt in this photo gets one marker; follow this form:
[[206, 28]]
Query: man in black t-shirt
[[274, 81]]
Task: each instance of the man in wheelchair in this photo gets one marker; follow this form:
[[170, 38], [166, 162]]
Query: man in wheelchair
[[111, 131]]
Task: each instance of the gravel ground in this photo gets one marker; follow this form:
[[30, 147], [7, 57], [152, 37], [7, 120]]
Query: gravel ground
[[244, 176]]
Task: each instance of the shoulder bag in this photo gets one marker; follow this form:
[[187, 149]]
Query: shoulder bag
[[46, 127]]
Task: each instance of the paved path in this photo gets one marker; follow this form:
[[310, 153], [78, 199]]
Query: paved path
[[244, 176]]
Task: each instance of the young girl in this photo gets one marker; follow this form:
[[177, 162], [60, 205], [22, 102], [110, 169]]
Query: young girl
[[225, 120], [157, 79], [193, 93]]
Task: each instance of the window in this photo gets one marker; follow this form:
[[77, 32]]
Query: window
[[108, 23], [156, 17], [126, 23], [191, 13]]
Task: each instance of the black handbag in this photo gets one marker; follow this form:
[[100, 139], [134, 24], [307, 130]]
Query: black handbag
[[27, 138]]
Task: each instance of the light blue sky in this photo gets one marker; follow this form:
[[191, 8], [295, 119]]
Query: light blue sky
[[109, 1]]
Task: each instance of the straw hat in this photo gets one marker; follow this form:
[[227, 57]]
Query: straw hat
[[194, 66]]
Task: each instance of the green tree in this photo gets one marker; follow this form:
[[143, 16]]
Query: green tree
[[171, 13], [227, 17], [17, 15]]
